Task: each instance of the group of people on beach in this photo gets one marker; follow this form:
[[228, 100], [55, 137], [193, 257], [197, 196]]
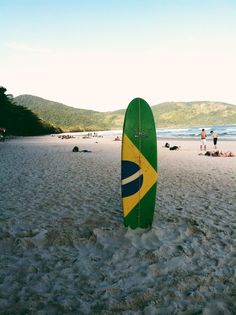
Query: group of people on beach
[[215, 152], [90, 135], [203, 135], [65, 137]]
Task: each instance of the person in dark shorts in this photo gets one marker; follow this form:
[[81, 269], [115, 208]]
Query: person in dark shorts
[[214, 136]]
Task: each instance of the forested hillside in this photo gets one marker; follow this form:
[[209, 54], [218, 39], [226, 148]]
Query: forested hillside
[[70, 118], [189, 114], [172, 114]]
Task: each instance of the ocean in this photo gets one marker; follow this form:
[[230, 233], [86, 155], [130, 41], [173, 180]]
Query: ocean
[[224, 132]]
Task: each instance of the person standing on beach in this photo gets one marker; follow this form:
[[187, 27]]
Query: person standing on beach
[[2, 134], [214, 136], [203, 139]]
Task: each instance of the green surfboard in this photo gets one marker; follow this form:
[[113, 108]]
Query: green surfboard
[[138, 165]]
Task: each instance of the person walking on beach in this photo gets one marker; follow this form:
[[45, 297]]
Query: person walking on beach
[[203, 139], [214, 136]]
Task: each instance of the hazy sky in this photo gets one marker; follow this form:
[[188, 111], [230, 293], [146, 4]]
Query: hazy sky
[[101, 54]]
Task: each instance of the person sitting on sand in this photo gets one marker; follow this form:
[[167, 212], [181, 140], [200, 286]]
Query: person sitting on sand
[[218, 153], [212, 153], [85, 151], [76, 149], [117, 138], [174, 147], [227, 154]]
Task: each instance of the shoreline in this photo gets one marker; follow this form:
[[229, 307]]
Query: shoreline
[[112, 136]]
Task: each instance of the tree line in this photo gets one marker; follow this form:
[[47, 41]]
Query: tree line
[[19, 120]]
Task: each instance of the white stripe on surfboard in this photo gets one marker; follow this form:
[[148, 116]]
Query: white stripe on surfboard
[[132, 177]]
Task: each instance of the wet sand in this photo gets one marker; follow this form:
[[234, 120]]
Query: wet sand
[[64, 249]]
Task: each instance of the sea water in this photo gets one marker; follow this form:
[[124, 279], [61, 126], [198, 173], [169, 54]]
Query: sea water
[[224, 132]]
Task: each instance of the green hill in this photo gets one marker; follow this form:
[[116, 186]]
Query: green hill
[[70, 118], [190, 114], [172, 114]]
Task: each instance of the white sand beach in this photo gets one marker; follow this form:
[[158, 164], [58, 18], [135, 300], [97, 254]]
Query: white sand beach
[[64, 249]]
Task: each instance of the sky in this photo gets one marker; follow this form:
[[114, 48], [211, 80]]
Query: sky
[[101, 54]]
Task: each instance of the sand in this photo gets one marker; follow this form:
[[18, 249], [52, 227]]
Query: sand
[[64, 249]]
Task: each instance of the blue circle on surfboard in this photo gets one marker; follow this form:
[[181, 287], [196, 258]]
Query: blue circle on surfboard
[[129, 169]]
